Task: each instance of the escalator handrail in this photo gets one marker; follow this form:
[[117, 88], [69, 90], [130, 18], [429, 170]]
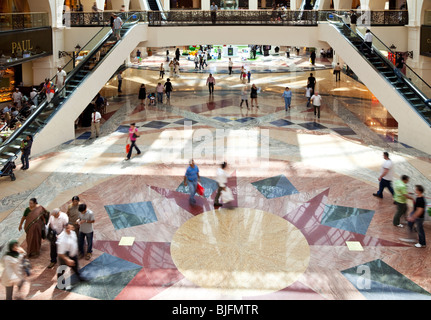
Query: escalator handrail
[[44, 103], [406, 80]]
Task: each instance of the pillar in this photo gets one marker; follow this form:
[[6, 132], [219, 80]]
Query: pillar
[[252, 4], [342, 4], [295, 4], [373, 4], [205, 4]]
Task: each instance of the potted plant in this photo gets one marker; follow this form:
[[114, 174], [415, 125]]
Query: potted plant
[[149, 52]]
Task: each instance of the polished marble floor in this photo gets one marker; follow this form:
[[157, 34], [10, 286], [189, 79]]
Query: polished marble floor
[[303, 223]]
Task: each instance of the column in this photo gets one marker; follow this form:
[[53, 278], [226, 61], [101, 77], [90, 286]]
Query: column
[[295, 4], [373, 4], [342, 4], [205, 4], [252, 4]]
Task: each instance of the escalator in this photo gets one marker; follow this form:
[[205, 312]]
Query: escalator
[[403, 84], [405, 96], [97, 50]]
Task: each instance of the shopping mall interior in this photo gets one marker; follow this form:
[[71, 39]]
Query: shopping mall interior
[[303, 222]]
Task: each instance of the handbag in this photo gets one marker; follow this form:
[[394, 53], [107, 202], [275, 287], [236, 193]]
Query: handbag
[[128, 148], [135, 135]]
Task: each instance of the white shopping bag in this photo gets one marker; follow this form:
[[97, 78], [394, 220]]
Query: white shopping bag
[[226, 195]]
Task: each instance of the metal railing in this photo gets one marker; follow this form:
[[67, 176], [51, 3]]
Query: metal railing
[[23, 21], [240, 17]]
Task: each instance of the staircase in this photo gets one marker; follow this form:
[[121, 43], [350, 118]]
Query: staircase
[[404, 97], [40, 123]]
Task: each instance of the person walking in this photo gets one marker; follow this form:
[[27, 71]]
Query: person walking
[[120, 81], [230, 66], [132, 136], [177, 54], [337, 72], [60, 81], [13, 274], [213, 9], [253, 95], [386, 176], [418, 216], [287, 95], [34, 220], [118, 23], [85, 221], [73, 213], [160, 90], [248, 76], [313, 57], [244, 97], [353, 20], [95, 123], [67, 250], [311, 81], [196, 60], [58, 220], [211, 83], [25, 151], [308, 94], [400, 198], [162, 71], [221, 179], [142, 94], [168, 88], [191, 179], [316, 100]]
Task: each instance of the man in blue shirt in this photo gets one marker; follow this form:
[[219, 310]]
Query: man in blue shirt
[[191, 179], [287, 95]]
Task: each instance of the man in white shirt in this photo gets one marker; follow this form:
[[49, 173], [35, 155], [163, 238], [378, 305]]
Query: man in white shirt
[[33, 96], [368, 40], [230, 66], [221, 181], [61, 80], [17, 97], [67, 250], [95, 123], [57, 222], [316, 100], [386, 176], [118, 23]]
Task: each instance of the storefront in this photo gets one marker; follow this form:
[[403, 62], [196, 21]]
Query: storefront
[[19, 49]]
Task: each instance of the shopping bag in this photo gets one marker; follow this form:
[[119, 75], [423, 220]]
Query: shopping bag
[[128, 148], [200, 190], [226, 195]]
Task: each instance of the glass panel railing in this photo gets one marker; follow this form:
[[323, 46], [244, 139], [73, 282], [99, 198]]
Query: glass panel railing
[[41, 115], [23, 21]]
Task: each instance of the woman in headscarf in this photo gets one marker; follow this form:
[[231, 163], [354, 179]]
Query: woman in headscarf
[[13, 272], [35, 219]]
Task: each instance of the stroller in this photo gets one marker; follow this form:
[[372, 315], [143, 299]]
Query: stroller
[[8, 168]]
